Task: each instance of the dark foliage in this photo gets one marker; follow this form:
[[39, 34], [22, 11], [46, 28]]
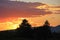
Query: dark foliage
[[26, 32]]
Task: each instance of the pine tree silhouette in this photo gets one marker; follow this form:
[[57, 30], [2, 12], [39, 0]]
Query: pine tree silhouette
[[47, 23], [25, 29], [46, 29], [25, 24]]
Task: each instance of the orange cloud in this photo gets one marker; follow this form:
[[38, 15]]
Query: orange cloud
[[53, 9]]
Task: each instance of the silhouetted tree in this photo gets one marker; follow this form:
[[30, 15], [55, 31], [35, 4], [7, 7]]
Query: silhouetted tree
[[25, 24], [46, 30], [25, 29], [47, 23]]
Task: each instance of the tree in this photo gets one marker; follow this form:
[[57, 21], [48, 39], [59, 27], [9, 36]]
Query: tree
[[47, 23], [46, 30], [25, 24], [25, 29]]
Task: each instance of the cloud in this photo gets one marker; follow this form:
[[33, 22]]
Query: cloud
[[3, 0], [20, 9]]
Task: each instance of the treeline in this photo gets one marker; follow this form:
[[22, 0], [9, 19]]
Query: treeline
[[25, 30]]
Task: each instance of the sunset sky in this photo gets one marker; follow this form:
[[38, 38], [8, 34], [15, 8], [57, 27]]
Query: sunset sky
[[12, 12], [52, 2]]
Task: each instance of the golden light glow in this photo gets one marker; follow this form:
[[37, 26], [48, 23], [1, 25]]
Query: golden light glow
[[48, 7], [54, 8], [13, 23], [42, 7]]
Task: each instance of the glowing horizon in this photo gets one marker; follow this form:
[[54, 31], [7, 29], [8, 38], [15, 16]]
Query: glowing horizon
[[13, 23]]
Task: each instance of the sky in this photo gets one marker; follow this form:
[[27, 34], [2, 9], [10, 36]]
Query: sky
[[52, 2], [13, 12]]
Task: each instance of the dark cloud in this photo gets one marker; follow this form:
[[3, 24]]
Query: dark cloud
[[20, 9], [3, 0]]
